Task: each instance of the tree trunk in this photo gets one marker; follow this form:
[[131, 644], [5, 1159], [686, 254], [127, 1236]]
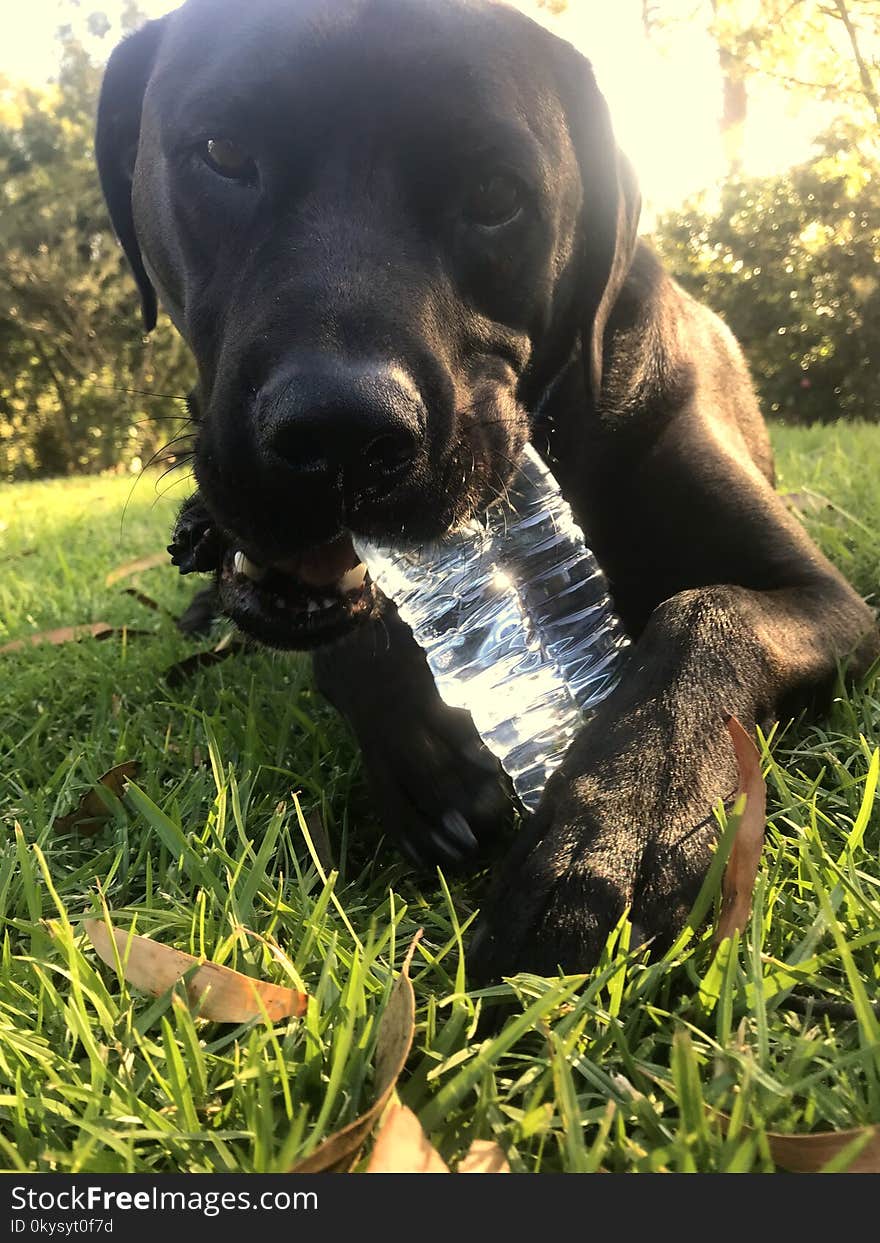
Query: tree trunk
[[734, 103]]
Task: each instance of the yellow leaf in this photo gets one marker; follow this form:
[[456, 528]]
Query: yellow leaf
[[135, 567], [402, 1147], [93, 810], [745, 854], [213, 991], [63, 634], [483, 1157]]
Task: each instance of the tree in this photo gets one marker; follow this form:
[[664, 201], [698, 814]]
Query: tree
[[818, 49], [71, 351]]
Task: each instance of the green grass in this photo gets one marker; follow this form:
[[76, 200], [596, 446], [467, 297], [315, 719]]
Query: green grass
[[627, 1069]]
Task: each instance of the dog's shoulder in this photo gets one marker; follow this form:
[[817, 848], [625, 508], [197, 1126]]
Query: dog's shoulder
[[649, 345], [668, 352]]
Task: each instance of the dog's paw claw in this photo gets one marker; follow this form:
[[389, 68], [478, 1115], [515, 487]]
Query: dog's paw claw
[[459, 833]]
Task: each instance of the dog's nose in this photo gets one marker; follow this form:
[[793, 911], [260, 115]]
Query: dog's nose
[[360, 428]]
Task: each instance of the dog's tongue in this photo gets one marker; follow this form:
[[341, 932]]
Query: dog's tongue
[[324, 565]]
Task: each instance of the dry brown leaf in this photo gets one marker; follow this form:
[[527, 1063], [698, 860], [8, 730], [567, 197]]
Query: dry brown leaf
[[177, 673], [745, 854], [806, 1154], [63, 634], [147, 601], [71, 634], [135, 567], [213, 991], [339, 1152], [402, 1147], [483, 1157], [94, 808], [127, 632]]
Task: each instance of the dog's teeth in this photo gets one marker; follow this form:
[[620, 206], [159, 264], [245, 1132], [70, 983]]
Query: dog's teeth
[[247, 568], [313, 606], [328, 602], [352, 580]]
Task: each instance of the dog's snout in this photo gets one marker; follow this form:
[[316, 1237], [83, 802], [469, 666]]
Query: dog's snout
[[360, 428]]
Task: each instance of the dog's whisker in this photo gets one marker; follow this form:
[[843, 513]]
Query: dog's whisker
[[142, 392]]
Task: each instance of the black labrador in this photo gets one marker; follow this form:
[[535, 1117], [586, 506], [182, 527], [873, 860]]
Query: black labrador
[[400, 241]]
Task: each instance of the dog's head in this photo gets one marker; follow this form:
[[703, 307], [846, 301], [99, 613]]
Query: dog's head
[[383, 227]]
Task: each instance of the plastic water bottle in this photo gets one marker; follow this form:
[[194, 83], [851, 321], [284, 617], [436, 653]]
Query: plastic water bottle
[[515, 620]]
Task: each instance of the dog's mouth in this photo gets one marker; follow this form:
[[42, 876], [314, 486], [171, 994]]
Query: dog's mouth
[[299, 602]]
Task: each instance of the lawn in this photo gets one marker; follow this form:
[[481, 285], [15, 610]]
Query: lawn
[[632, 1068]]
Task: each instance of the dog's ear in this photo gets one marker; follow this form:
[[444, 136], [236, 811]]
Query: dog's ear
[[116, 144], [612, 203]]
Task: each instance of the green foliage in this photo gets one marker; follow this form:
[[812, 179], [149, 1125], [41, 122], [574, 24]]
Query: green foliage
[[792, 263], [823, 51], [70, 344], [816, 49]]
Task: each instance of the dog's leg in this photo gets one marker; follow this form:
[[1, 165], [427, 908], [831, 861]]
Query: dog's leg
[[438, 790], [201, 612], [627, 821]]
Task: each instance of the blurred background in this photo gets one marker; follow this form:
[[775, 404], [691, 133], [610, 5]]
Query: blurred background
[[754, 126]]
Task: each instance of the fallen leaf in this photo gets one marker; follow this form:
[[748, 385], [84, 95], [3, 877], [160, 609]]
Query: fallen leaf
[[339, 1152], [135, 567], [213, 991], [806, 1154], [128, 632], [483, 1157], [64, 634], [147, 601], [94, 807], [402, 1147], [177, 673], [745, 853], [71, 634]]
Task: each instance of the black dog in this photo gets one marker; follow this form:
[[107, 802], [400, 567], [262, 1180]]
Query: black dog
[[400, 240]]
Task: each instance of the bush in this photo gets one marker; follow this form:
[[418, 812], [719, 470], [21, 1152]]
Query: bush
[[792, 263]]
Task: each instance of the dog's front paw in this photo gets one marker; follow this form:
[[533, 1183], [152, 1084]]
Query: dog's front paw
[[626, 837], [196, 544], [440, 793]]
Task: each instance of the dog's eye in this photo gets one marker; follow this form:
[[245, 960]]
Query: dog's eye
[[494, 201], [225, 158]]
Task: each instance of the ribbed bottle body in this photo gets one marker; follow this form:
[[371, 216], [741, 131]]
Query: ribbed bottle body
[[515, 619]]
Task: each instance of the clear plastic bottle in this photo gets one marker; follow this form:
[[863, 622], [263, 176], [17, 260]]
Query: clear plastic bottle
[[515, 620]]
